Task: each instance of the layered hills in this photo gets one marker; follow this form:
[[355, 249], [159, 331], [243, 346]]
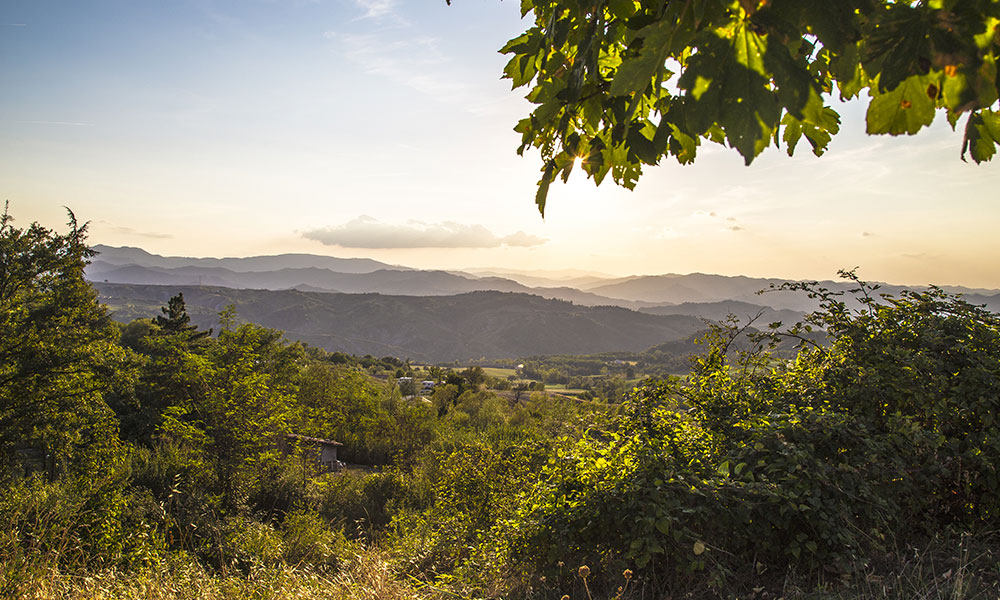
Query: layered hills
[[363, 306], [425, 328]]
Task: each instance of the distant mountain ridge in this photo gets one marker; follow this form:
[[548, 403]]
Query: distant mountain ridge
[[484, 324], [127, 255], [705, 288], [382, 281], [696, 294], [718, 311]]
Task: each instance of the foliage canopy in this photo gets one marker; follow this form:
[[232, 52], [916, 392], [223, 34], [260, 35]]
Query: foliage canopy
[[620, 84]]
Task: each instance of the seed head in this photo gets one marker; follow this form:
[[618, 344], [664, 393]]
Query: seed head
[[583, 571]]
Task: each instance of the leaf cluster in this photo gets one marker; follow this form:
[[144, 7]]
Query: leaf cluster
[[621, 84]]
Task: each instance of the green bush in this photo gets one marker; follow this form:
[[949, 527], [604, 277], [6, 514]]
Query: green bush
[[310, 541], [246, 544], [881, 437]]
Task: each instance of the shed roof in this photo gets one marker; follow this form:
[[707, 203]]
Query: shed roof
[[306, 438]]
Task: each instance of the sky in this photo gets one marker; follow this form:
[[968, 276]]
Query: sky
[[382, 129]]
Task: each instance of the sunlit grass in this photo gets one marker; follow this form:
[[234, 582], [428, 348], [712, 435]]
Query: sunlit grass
[[367, 577]]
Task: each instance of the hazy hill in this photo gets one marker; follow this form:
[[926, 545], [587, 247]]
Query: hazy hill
[[702, 288], [432, 329], [576, 279], [356, 275], [382, 281], [137, 256], [717, 311], [696, 287]]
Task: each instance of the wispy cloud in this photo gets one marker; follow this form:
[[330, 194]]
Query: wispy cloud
[[73, 123], [367, 232], [522, 239], [376, 9], [117, 229], [413, 62], [396, 51]]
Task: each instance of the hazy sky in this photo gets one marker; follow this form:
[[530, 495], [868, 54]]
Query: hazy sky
[[381, 128]]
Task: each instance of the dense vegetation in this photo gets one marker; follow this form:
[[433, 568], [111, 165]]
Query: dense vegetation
[[153, 459]]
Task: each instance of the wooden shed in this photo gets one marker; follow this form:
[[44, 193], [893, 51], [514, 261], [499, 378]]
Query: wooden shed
[[324, 452]]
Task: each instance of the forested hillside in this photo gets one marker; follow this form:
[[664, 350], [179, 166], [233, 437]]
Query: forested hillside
[[429, 329]]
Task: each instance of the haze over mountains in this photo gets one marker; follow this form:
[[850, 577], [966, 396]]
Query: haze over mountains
[[363, 306], [425, 328]]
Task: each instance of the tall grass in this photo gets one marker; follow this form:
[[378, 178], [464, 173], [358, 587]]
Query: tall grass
[[179, 577]]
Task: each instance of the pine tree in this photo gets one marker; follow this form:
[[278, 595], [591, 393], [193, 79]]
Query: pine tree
[[175, 319]]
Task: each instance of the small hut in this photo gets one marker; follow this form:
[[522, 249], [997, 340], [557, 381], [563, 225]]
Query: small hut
[[322, 451]]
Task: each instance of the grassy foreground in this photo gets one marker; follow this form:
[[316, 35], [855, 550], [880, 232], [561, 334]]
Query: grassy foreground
[[367, 577], [958, 568]]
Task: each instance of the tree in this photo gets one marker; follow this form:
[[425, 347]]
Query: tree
[[620, 84], [173, 371], [58, 354], [245, 409], [175, 319]]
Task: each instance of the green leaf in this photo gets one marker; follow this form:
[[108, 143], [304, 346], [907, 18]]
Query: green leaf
[[819, 136], [621, 9], [637, 72], [738, 101], [663, 525], [905, 109], [682, 146], [897, 45], [543, 188], [982, 135], [797, 90]]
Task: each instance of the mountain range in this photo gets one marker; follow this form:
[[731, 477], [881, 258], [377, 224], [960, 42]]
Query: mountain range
[[364, 306], [481, 325]]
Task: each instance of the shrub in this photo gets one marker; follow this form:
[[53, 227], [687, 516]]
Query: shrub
[[883, 436]]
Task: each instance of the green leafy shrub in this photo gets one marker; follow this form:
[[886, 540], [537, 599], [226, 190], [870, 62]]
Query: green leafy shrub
[[310, 541], [246, 544], [882, 436]]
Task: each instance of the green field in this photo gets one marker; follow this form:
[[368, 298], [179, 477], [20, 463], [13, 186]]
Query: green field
[[498, 372]]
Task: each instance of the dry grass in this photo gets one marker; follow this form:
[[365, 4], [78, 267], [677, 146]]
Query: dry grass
[[956, 568], [959, 568], [367, 577]]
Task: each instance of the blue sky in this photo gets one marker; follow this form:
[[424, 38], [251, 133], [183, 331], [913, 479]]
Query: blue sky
[[381, 128]]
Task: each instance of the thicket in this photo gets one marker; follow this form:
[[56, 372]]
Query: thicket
[[153, 451]]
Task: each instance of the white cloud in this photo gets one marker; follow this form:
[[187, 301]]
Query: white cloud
[[129, 231], [73, 123], [376, 9], [523, 240], [414, 62], [367, 232]]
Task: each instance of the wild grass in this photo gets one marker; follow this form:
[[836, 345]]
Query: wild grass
[[954, 568], [367, 576], [957, 568]]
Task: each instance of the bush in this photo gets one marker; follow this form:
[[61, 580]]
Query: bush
[[309, 540], [880, 438]]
